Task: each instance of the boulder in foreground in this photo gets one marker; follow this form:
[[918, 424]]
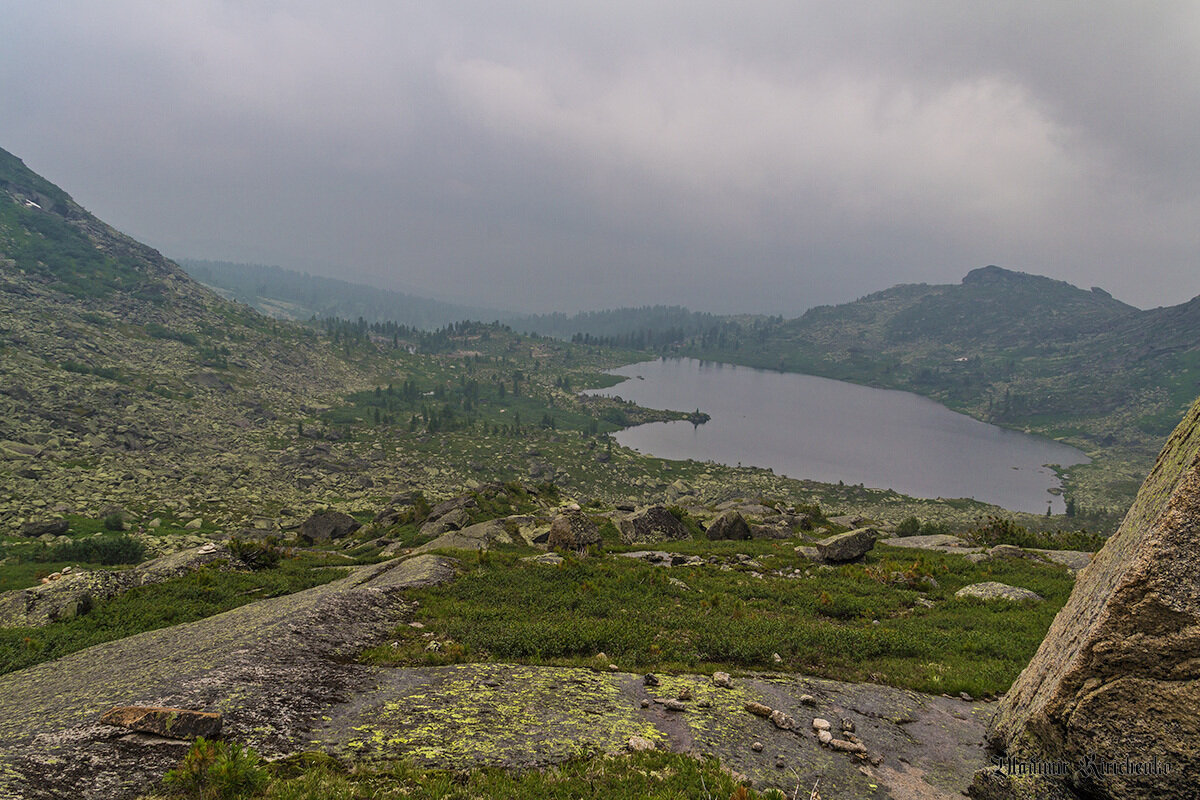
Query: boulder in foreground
[[1113, 692]]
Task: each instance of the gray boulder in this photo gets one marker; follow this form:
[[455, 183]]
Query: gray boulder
[[1118, 675], [325, 526], [480, 536], [730, 525], [573, 530], [842, 547], [654, 524], [52, 527]]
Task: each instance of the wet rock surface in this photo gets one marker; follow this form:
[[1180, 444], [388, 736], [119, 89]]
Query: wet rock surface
[[521, 716], [270, 668]]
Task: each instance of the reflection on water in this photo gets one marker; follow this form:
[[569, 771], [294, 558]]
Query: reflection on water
[[808, 427]]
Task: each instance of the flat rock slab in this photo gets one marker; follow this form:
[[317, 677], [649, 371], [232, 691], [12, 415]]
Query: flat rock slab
[[991, 590], [269, 668], [941, 542], [521, 717], [1071, 559]]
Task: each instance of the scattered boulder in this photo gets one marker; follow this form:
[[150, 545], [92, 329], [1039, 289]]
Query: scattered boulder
[[782, 721], [174, 723], [939, 542], [324, 526], [842, 547], [991, 590], [722, 680], [847, 747], [730, 525], [1006, 551], [53, 527], [654, 524], [1118, 675], [660, 558], [573, 530], [759, 710]]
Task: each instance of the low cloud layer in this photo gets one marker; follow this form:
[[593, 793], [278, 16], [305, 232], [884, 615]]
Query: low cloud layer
[[760, 157]]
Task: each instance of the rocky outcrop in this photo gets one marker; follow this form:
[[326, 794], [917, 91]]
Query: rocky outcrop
[[480, 536], [271, 668], [573, 530], [654, 524], [324, 526], [75, 593], [1118, 674], [730, 525]]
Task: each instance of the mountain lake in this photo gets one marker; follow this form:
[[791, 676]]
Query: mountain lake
[[825, 430]]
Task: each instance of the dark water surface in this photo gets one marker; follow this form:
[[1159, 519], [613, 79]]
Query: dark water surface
[[803, 426]]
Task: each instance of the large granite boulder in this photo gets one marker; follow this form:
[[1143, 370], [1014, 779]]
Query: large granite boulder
[[53, 527], [1114, 689], [730, 525], [173, 723], [653, 524], [842, 547], [573, 530], [324, 526]]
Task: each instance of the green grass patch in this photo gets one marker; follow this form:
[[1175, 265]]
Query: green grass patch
[[194, 596], [853, 622], [652, 775]]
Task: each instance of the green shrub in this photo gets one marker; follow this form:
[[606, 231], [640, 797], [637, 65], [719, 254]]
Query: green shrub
[[106, 550], [114, 521], [909, 527], [217, 771], [256, 555]]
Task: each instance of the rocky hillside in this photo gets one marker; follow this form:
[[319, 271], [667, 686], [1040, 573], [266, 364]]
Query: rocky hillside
[[1007, 347]]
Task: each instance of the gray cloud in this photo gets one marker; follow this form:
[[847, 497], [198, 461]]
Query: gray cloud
[[760, 157]]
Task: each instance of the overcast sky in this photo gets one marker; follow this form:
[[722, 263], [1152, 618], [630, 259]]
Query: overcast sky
[[751, 156]]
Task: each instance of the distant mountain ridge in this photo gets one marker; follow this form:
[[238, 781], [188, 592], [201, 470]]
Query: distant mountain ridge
[[290, 294]]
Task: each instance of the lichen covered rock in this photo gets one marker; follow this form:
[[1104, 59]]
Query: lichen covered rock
[[1118, 674]]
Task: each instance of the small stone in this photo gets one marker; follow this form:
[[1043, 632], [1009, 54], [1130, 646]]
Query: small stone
[[685, 694], [779, 764], [175, 723], [650, 679], [847, 747], [778, 659], [705, 703], [645, 704], [194, 525], [824, 737], [639, 744], [965, 696], [821, 724], [601, 656], [417, 625], [722, 679], [613, 667], [757, 747], [759, 710], [674, 705], [782, 721], [848, 725], [808, 700]]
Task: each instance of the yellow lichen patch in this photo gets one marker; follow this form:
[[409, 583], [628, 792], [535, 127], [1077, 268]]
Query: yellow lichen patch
[[497, 714]]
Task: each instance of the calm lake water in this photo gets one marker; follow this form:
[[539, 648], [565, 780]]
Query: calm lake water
[[820, 429]]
